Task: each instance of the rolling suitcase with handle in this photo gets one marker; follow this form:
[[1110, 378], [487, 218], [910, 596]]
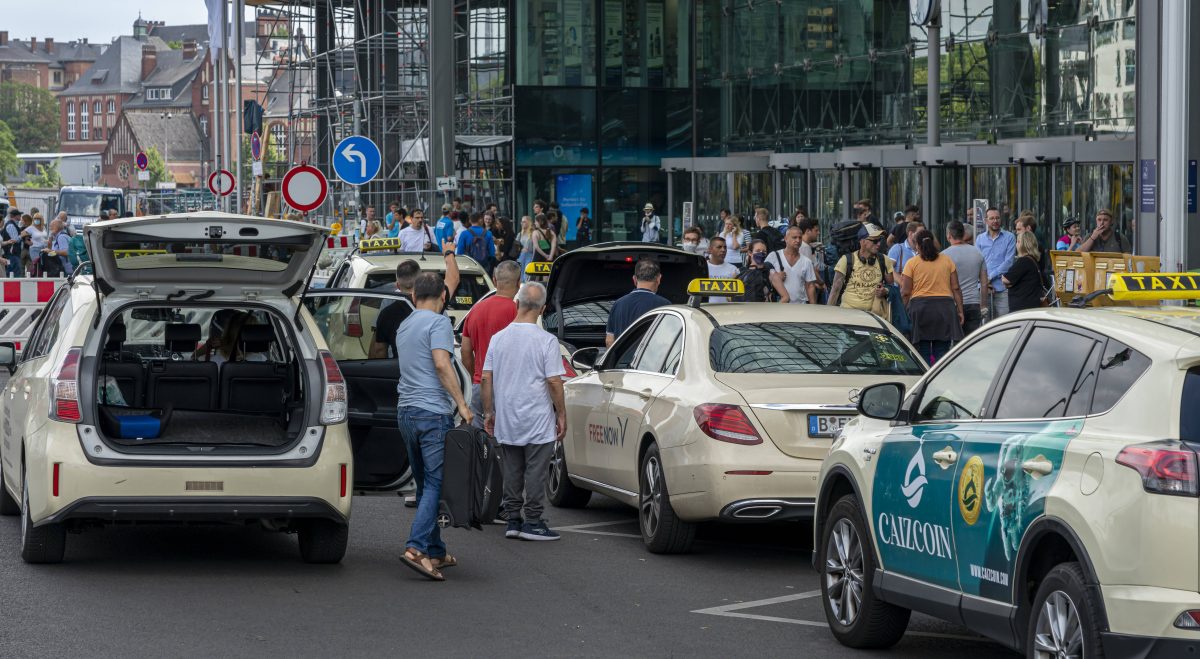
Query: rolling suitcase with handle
[[472, 481]]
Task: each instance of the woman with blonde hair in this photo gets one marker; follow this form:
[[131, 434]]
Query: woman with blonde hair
[[526, 240], [734, 243], [1024, 278]]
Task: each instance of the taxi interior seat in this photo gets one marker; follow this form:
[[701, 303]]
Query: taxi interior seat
[[253, 386], [129, 374], [185, 385]]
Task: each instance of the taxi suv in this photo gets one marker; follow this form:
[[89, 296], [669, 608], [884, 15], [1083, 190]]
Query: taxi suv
[[719, 411], [1038, 486], [189, 381]]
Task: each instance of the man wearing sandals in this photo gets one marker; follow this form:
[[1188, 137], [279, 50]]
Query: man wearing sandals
[[428, 397], [523, 407]]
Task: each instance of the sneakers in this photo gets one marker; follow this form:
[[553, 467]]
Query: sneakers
[[538, 531], [501, 517], [513, 530], [410, 501]]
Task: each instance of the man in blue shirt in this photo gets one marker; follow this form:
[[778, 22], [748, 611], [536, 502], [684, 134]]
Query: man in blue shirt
[[998, 247], [394, 220], [443, 230], [477, 243], [903, 251], [647, 276], [428, 397]]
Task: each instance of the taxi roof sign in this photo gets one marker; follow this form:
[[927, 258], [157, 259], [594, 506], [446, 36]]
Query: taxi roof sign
[[378, 244], [538, 269], [1155, 286], [717, 287]]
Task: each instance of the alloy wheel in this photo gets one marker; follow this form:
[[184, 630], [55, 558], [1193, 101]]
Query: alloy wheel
[[1059, 632], [24, 508], [844, 572], [557, 469], [652, 495]]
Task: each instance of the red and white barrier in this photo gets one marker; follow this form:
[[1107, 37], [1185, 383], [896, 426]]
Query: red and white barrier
[[339, 242], [22, 303]]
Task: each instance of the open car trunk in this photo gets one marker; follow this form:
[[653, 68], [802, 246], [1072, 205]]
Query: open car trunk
[[216, 375]]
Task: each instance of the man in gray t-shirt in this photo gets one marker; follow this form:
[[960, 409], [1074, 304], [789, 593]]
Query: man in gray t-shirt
[[972, 270], [523, 404], [428, 395]]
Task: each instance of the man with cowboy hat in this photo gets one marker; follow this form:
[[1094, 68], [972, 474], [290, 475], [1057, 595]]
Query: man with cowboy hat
[[651, 225]]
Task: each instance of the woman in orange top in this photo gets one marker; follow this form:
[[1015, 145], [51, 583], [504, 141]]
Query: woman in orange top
[[929, 286]]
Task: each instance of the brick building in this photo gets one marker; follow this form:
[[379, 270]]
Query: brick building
[[45, 63]]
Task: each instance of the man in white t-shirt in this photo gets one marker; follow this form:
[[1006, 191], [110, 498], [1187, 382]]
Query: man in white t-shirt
[[794, 278], [416, 237], [523, 406], [717, 267]]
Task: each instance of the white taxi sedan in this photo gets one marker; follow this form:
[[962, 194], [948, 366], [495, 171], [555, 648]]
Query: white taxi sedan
[[719, 411]]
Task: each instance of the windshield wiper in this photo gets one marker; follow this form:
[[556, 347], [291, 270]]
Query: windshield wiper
[[850, 355]]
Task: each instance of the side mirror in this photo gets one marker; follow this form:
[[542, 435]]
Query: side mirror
[[8, 356], [881, 401], [585, 359]]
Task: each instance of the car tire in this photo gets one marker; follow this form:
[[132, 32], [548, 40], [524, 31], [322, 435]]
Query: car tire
[[857, 618], [323, 541], [561, 492], [9, 507], [39, 544], [1064, 596], [662, 531]]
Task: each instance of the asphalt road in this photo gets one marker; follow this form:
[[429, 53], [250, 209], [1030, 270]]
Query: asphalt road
[[152, 591]]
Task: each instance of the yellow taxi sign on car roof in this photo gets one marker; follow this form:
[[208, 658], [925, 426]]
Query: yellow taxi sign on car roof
[[1155, 286], [126, 253], [717, 287], [377, 244], [538, 269]]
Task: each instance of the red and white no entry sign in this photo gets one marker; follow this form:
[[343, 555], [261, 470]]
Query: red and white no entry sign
[[221, 182], [304, 187]]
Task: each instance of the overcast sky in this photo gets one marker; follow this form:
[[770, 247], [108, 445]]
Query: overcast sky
[[98, 20]]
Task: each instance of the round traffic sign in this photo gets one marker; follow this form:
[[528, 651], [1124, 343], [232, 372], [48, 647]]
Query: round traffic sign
[[142, 161], [356, 160], [221, 182], [256, 146], [304, 187]]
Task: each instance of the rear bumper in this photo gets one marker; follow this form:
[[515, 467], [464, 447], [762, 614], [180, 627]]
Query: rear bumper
[[768, 510], [1148, 647], [759, 485], [209, 509]]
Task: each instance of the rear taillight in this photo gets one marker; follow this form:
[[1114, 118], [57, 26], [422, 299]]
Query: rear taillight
[[726, 423], [567, 367], [64, 389], [1166, 467], [333, 409], [1188, 620], [343, 481], [354, 319]]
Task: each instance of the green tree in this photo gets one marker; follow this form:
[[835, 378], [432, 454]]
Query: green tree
[[157, 168], [9, 165], [48, 178], [32, 115]]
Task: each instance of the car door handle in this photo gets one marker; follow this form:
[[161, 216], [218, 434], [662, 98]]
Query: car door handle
[[945, 457], [645, 394], [608, 386], [1037, 467]]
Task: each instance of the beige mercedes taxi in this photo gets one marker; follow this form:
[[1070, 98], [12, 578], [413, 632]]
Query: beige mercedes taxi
[[719, 411]]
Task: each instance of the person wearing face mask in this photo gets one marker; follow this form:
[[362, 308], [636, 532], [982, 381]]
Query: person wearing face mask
[[694, 241], [651, 225], [38, 236], [756, 276]]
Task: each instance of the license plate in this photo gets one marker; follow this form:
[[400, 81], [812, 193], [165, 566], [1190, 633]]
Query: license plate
[[826, 425]]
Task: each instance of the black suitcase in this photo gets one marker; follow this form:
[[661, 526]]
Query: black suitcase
[[472, 481]]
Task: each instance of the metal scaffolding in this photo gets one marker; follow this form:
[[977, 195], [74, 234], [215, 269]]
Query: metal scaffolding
[[378, 68]]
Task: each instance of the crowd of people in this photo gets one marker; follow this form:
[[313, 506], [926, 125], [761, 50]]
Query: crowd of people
[[31, 247]]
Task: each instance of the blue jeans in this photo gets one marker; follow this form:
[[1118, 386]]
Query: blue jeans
[[424, 435], [15, 267]]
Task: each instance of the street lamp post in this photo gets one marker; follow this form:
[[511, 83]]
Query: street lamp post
[[167, 146]]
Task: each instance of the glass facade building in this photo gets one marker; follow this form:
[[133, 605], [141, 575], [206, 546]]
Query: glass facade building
[[818, 103]]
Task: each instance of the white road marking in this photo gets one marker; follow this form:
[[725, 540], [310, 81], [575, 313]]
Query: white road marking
[[586, 528], [734, 611]]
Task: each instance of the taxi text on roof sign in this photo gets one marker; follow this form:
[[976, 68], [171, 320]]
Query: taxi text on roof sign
[[717, 287], [375, 244], [538, 269], [1155, 286]]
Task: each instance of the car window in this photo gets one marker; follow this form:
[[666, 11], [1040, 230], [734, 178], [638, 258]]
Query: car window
[[625, 350], [470, 288], [1051, 369], [1120, 366], [53, 323], [959, 390], [1189, 406], [659, 346], [809, 348]]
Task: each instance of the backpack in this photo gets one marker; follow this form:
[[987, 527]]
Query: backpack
[[899, 319], [476, 247], [772, 237], [472, 482], [758, 284], [843, 240]]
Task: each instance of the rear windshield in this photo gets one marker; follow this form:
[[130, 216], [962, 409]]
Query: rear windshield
[[809, 348], [589, 315], [470, 288]]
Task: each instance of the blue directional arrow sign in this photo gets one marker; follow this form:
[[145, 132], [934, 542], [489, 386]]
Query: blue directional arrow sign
[[356, 160]]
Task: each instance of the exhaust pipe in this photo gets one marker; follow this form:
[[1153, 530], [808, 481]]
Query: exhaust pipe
[[757, 512]]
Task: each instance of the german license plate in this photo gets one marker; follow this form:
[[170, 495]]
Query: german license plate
[[826, 425]]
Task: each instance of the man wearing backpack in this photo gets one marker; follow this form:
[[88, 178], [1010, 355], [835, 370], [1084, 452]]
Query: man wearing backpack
[[478, 243], [864, 275], [756, 276], [10, 240], [767, 233]]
